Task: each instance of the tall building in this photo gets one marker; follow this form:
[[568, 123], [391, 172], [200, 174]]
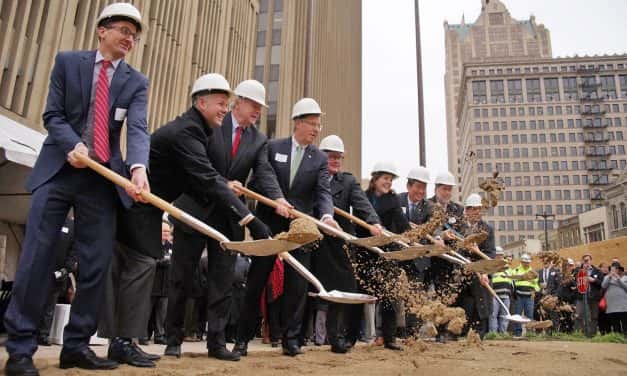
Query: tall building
[[554, 129], [495, 35], [312, 48], [183, 40]]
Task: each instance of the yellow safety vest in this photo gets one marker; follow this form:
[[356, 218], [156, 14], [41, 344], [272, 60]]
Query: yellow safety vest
[[525, 288]]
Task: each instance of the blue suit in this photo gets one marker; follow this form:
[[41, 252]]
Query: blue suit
[[56, 187]]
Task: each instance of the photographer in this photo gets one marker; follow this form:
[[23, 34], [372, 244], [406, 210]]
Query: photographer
[[615, 284]]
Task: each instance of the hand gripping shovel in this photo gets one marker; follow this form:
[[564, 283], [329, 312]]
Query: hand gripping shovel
[[407, 253], [333, 295], [264, 247]]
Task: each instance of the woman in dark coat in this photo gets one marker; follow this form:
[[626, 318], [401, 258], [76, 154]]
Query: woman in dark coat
[[378, 273]]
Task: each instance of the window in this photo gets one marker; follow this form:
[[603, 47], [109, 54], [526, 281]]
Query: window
[[571, 92], [533, 90], [608, 87], [479, 92], [623, 85], [497, 91], [514, 91], [594, 233], [551, 90]]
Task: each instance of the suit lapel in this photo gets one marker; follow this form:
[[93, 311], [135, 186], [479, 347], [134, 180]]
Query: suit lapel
[[336, 185], [283, 174], [227, 131], [307, 156], [244, 143], [87, 76], [121, 75]]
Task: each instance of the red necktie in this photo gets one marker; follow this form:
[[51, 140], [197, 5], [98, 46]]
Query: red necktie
[[238, 136], [101, 117]]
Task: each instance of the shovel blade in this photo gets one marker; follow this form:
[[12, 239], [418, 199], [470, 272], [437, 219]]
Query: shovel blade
[[411, 253], [346, 297], [518, 318], [377, 241], [263, 247]]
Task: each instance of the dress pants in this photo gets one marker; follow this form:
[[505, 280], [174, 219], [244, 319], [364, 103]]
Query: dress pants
[[343, 322], [187, 249], [294, 298], [94, 200], [126, 306]]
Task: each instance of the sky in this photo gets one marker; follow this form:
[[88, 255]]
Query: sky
[[389, 97]]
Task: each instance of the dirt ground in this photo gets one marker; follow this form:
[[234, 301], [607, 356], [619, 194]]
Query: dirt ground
[[454, 358]]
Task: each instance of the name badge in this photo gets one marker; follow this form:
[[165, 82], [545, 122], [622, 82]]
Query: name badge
[[280, 157], [65, 230], [120, 114], [404, 209]]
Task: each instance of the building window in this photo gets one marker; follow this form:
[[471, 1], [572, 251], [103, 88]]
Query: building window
[[514, 91], [623, 85], [615, 218], [479, 92], [551, 89], [533, 90], [571, 92], [608, 87], [623, 214], [497, 91], [594, 233]]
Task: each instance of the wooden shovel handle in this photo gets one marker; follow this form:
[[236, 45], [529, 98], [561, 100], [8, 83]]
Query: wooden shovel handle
[[358, 221], [269, 202]]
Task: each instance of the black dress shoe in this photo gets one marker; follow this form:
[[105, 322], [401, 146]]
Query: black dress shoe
[[292, 350], [223, 354], [392, 346], [143, 341], [173, 350], [241, 348], [160, 340], [125, 353], [153, 357], [43, 341], [85, 359], [274, 343], [339, 349], [20, 366]]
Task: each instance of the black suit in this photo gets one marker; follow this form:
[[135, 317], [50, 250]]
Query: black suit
[[421, 215], [331, 262], [440, 268], [308, 193], [252, 155]]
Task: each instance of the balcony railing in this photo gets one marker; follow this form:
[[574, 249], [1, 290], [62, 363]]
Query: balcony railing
[[597, 153], [593, 112], [596, 140], [598, 126]]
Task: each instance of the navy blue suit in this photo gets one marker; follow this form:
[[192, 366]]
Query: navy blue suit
[[56, 187], [310, 193]]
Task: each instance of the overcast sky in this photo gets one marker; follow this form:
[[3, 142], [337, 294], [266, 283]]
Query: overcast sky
[[390, 115]]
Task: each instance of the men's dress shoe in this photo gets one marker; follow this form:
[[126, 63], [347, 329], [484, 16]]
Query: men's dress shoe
[[274, 343], [338, 349], [153, 357], [43, 341], [173, 350], [125, 353], [223, 354], [160, 340], [378, 342], [85, 359], [143, 341], [292, 350], [20, 366], [241, 348], [393, 346]]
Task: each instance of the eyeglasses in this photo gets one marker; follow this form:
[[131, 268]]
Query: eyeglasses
[[126, 32], [335, 157], [318, 126]]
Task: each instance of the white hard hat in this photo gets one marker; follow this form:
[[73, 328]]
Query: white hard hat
[[121, 10], [253, 90], [306, 106], [570, 261], [525, 258], [445, 178], [473, 200], [499, 250], [209, 82], [419, 173], [332, 143], [386, 167]]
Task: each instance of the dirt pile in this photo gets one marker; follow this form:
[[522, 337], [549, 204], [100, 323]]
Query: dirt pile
[[302, 231]]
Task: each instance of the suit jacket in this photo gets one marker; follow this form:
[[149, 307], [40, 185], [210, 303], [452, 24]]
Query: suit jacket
[[552, 281], [388, 207], [66, 113], [424, 209], [310, 192], [180, 165], [487, 246], [347, 193], [252, 155], [453, 210]]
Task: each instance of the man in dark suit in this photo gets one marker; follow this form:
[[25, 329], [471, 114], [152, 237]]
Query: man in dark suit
[[234, 149], [302, 173], [549, 279], [83, 115], [331, 262]]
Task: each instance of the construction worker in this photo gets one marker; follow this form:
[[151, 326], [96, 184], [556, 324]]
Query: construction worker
[[526, 290], [331, 263], [504, 287]]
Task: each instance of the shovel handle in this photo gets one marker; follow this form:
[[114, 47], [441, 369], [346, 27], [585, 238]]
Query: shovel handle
[[358, 221], [153, 199], [300, 269]]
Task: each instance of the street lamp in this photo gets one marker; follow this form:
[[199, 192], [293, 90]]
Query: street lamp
[[545, 217]]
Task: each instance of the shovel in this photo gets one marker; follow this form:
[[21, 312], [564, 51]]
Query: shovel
[[333, 295], [373, 241], [515, 318], [264, 247]]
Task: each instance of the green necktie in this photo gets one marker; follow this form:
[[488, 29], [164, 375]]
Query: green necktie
[[296, 158]]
